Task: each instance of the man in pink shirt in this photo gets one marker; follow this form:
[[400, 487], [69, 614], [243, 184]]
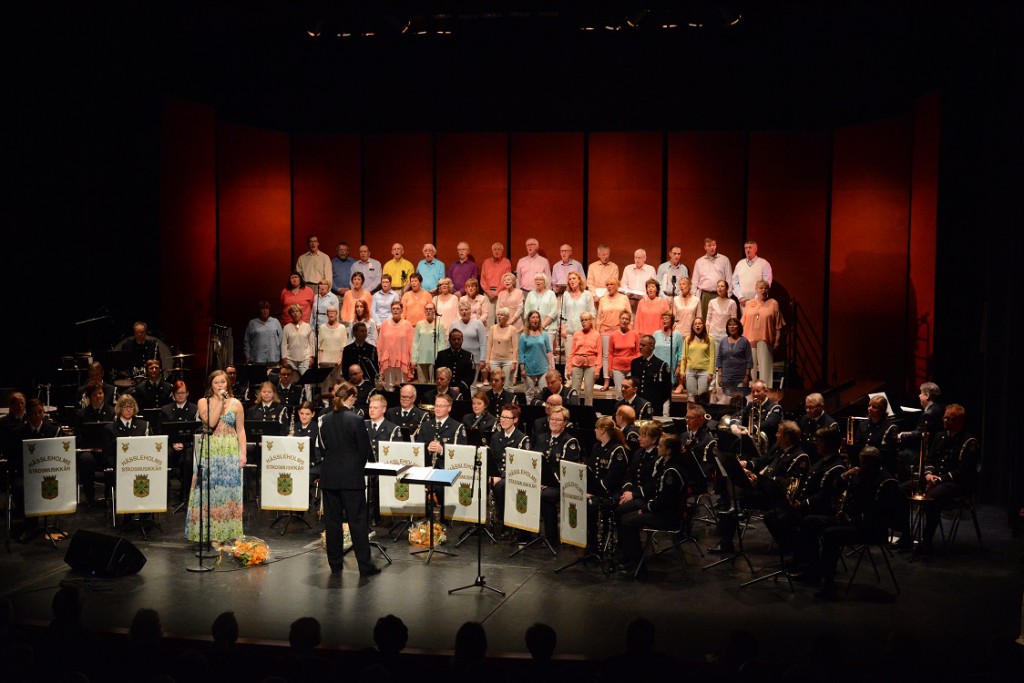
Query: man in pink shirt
[[531, 265], [492, 271]]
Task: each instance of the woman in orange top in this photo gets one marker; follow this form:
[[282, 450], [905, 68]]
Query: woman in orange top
[[650, 309], [584, 357], [623, 347], [356, 293], [415, 300], [609, 307]]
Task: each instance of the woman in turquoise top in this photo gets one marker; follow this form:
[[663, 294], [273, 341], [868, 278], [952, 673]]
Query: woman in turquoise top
[[535, 356], [224, 416]]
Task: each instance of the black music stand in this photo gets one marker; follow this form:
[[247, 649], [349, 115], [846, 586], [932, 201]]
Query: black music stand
[[374, 471], [480, 581], [180, 429], [774, 491], [251, 375], [736, 478], [314, 376], [432, 477]]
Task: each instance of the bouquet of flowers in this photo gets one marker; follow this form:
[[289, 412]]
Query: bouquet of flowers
[[346, 538], [248, 550], [419, 534]]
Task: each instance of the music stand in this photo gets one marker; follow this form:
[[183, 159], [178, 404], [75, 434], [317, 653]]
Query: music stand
[[480, 580], [774, 491], [315, 376], [251, 375], [736, 478], [431, 478], [115, 360], [179, 429], [382, 469]]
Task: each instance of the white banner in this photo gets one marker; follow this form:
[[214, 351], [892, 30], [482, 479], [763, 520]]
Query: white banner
[[462, 497], [397, 498], [51, 470], [140, 474], [284, 473], [573, 503], [522, 489]]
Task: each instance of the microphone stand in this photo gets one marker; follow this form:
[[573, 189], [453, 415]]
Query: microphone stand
[[316, 329], [480, 580], [203, 472]]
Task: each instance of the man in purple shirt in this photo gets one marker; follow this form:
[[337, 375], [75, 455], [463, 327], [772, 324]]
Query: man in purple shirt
[[462, 269], [560, 271]]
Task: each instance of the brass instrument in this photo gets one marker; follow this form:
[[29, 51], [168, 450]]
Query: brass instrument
[[792, 488], [920, 486], [754, 429], [849, 431]]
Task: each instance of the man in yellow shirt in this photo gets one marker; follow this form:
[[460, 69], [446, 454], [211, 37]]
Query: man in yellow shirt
[[398, 268]]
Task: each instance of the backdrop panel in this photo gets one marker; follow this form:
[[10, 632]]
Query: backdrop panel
[[706, 188], [625, 187], [924, 201], [326, 188], [254, 221], [399, 194], [547, 193], [188, 224], [870, 222], [786, 216], [472, 193]]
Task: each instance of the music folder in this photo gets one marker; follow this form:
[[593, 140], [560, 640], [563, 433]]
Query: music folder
[[430, 476]]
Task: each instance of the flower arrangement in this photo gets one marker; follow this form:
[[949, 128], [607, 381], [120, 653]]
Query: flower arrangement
[[248, 550], [419, 534], [346, 537]]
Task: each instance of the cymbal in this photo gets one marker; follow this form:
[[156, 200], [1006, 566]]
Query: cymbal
[[183, 355], [123, 383]]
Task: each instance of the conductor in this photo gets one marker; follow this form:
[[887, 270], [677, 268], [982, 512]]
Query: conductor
[[345, 445]]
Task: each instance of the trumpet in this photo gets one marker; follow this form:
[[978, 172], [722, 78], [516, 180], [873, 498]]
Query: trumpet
[[921, 487], [849, 431]]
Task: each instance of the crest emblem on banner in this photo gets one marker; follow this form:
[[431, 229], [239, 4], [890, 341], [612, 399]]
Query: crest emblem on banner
[[534, 460], [511, 457], [301, 446], [67, 445], [521, 501], [416, 452], [401, 491], [465, 495], [31, 448], [140, 488], [580, 472], [159, 446], [49, 487], [386, 449], [284, 484], [573, 515], [124, 447], [451, 454], [269, 445]]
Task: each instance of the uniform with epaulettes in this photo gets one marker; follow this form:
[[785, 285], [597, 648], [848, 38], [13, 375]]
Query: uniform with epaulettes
[[606, 467], [663, 510], [408, 420], [809, 426], [815, 496], [497, 401], [652, 379], [641, 407], [496, 463], [883, 435], [767, 413], [554, 449], [570, 397], [451, 431], [640, 479]]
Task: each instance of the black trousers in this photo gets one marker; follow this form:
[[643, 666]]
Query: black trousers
[[353, 502], [630, 525]]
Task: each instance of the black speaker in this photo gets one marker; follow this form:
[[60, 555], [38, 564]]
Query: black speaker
[[100, 554]]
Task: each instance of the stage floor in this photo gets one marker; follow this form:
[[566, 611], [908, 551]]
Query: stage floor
[[954, 603]]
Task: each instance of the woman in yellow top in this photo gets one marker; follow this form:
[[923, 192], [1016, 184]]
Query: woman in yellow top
[[698, 363]]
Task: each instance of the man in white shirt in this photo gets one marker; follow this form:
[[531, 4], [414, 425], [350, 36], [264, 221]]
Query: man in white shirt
[[748, 271], [671, 272], [369, 267], [322, 300], [530, 265], [635, 277], [708, 270], [314, 265]]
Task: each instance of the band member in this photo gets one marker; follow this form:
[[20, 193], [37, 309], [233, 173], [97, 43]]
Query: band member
[[928, 422], [97, 407], [606, 472], [458, 360], [641, 479], [813, 419], [140, 346], [700, 440], [179, 409], [36, 426], [125, 424], [443, 387], [642, 408], [661, 511], [540, 425], [815, 494], [762, 413], [364, 387], [555, 445], [508, 435], [555, 385], [437, 433], [878, 431], [268, 407], [346, 449], [96, 373], [498, 395], [950, 473], [785, 461], [153, 393], [380, 429], [625, 419], [651, 375], [360, 353], [479, 423], [289, 391], [869, 496], [407, 415]]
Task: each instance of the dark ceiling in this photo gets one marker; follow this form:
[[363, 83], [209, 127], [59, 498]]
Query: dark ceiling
[[529, 64]]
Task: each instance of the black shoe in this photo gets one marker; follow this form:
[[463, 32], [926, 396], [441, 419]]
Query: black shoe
[[722, 549], [369, 571], [905, 542], [336, 570]]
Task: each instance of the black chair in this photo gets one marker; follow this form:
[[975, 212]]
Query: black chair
[[678, 536], [888, 493], [965, 504]]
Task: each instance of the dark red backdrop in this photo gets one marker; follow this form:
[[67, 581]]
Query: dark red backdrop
[[846, 217]]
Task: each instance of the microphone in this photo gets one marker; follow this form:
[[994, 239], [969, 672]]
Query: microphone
[[673, 280]]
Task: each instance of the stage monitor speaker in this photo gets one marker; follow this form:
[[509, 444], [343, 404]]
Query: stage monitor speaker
[[103, 555]]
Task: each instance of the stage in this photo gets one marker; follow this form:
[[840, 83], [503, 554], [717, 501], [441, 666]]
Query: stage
[[955, 603]]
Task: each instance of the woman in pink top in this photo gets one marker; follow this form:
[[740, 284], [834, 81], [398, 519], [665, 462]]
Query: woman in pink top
[[609, 307], [479, 306], [356, 293], [415, 300], [623, 347], [584, 357], [650, 308], [686, 307], [296, 293], [762, 326], [511, 297], [446, 303]]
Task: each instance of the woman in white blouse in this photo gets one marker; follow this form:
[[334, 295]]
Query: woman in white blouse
[[543, 300]]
